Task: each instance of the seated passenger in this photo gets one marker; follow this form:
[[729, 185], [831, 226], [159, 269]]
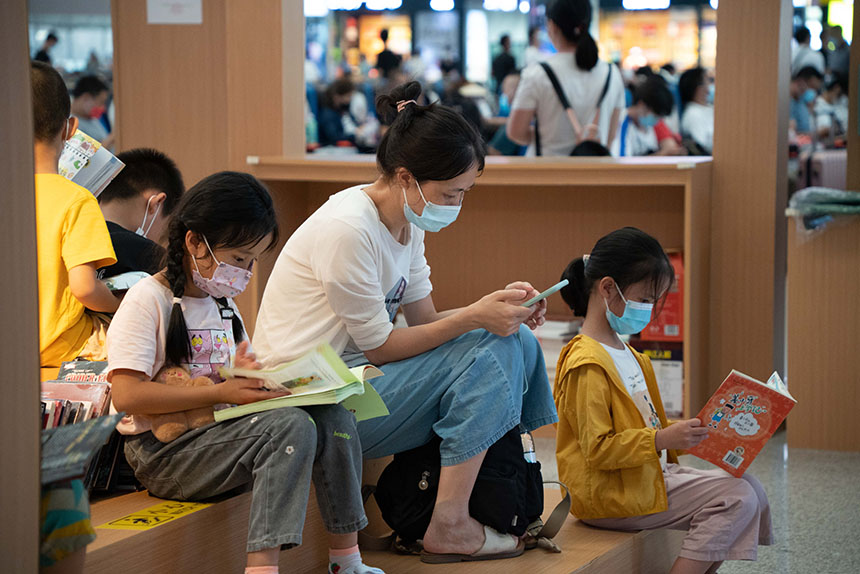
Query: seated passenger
[[72, 238], [89, 103], [185, 316], [803, 90], [697, 120], [137, 205], [643, 131], [615, 449]]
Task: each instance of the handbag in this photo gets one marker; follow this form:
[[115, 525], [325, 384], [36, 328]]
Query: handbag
[[585, 146], [507, 496]]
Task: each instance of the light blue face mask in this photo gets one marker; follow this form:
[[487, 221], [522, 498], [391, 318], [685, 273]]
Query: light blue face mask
[[809, 96], [711, 92], [648, 121], [434, 217], [635, 318]]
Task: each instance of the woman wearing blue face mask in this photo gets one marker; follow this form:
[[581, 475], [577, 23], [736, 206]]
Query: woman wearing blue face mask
[[643, 131], [468, 375], [615, 448]]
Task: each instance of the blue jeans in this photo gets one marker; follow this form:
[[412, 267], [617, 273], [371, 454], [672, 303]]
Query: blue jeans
[[470, 391]]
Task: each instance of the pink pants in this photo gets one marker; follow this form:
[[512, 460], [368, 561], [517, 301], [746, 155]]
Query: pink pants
[[726, 518]]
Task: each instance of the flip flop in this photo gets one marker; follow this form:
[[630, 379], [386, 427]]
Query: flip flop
[[496, 546]]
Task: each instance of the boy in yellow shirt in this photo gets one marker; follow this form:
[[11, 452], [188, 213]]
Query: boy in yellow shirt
[[72, 237]]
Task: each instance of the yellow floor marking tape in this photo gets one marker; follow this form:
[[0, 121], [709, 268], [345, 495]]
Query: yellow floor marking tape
[[154, 516]]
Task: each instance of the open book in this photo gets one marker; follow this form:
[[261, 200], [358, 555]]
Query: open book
[[319, 377], [741, 417], [88, 163]]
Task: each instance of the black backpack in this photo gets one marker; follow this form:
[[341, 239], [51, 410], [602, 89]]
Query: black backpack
[[583, 146], [507, 496]]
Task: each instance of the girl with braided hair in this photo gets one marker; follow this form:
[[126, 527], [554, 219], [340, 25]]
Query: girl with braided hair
[[184, 316]]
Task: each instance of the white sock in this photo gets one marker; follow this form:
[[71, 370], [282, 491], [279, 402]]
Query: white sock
[[348, 561]]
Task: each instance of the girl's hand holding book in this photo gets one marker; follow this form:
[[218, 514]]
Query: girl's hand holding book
[[240, 391], [681, 435]]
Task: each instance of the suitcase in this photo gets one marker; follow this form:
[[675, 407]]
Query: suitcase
[[824, 168]]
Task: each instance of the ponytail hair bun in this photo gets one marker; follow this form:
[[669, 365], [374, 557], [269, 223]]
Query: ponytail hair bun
[[573, 18], [387, 104], [432, 142], [575, 293]]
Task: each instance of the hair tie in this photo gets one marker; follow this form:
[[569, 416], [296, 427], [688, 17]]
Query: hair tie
[[177, 300], [585, 259], [402, 104]]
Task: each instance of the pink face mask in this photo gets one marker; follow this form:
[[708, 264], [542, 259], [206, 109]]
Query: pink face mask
[[226, 281]]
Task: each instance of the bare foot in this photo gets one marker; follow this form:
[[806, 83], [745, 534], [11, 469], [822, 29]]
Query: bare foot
[[453, 532]]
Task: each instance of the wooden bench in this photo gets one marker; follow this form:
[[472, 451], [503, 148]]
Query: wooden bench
[[213, 540]]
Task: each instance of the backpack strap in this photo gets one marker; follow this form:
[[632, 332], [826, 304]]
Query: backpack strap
[[368, 541], [558, 515], [565, 103]]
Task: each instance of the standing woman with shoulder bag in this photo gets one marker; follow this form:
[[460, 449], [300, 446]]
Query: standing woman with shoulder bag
[[574, 98]]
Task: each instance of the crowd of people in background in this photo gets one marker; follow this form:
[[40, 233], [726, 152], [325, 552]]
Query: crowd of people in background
[[644, 111]]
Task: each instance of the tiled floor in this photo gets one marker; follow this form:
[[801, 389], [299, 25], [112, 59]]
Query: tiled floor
[[814, 496]]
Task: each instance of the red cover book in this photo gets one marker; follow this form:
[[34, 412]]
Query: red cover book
[[741, 417]]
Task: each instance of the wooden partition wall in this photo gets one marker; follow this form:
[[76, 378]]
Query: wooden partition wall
[[747, 298], [208, 95], [824, 315], [19, 337]]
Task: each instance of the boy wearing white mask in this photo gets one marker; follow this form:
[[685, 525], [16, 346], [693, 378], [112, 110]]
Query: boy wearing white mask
[[137, 205]]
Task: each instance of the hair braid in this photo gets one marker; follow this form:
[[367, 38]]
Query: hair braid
[[178, 346]]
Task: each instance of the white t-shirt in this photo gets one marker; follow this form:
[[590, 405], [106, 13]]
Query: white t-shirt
[[638, 140], [807, 57], [634, 380], [340, 278], [698, 124], [825, 113], [582, 89], [137, 336]]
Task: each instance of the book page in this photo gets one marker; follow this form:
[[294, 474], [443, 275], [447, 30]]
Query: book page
[[317, 371]]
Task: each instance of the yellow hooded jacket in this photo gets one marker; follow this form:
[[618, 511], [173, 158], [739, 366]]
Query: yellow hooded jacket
[[605, 451]]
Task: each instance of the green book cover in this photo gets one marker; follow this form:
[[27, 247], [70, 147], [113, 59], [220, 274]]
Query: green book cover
[[319, 377]]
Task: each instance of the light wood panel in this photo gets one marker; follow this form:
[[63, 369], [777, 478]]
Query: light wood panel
[[749, 188], [585, 550], [824, 327], [209, 540], [170, 84], [212, 94], [19, 338]]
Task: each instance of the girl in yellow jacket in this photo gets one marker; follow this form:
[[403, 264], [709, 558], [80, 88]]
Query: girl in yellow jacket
[[615, 448]]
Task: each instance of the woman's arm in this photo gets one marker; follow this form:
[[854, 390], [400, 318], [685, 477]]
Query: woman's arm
[[497, 312], [613, 127], [519, 127]]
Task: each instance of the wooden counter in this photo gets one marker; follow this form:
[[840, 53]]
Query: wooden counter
[[823, 330], [526, 219]]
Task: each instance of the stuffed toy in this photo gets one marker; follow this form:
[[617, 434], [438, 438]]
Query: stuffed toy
[[169, 426]]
